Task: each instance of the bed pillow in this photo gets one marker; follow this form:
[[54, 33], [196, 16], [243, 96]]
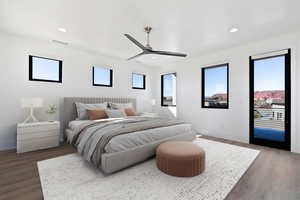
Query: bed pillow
[[97, 114], [115, 113], [82, 108], [121, 105], [130, 112]]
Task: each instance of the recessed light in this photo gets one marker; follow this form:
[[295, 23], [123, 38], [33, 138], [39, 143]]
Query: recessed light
[[62, 30], [233, 30]]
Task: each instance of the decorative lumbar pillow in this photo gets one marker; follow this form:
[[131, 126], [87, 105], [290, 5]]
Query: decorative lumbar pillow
[[82, 108], [130, 112], [121, 105], [115, 113], [97, 114]]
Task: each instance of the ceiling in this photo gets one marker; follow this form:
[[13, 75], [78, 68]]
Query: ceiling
[[189, 26]]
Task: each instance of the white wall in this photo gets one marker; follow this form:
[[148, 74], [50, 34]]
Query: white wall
[[77, 80], [232, 123]]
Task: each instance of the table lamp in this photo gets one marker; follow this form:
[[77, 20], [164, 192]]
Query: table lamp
[[31, 103]]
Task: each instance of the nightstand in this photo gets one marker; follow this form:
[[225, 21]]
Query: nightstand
[[37, 135]]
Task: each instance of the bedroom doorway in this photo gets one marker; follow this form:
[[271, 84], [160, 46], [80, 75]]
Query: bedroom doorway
[[270, 99]]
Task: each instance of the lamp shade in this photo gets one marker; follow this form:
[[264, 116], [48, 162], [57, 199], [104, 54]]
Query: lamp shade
[[31, 102]]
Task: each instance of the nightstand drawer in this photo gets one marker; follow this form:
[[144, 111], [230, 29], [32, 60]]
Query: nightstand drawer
[[22, 130], [37, 143], [39, 134]]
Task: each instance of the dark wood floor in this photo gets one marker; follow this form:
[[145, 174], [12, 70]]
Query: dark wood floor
[[19, 177], [274, 175]]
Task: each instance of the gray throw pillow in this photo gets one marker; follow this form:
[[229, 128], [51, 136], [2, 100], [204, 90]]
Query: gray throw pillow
[[115, 113], [121, 105], [82, 109]]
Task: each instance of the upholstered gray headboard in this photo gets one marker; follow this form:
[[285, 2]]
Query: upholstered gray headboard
[[70, 108]]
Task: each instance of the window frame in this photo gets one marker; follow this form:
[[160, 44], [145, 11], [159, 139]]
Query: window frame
[[144, 81], [45, 80], [288, 90], [203, 86], [162, 89], [111, 77]]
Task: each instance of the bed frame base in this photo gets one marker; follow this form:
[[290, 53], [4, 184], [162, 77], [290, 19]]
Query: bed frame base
[[113, 162]]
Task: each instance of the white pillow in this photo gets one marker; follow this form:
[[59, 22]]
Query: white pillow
[[115, 113], [121, 105], [82, 109]]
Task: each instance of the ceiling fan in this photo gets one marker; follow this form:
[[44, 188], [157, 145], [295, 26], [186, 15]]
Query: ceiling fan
[[148, 49]]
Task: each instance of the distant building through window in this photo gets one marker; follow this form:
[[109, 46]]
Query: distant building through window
[[215, 86], [270, 97], [168, 89], [102, 77], [45, 69]]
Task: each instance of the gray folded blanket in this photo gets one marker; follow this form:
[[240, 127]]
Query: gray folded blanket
[[91, 137]]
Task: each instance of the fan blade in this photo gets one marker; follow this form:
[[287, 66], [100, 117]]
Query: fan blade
[[135, 41], [140, 54], [169, 53]]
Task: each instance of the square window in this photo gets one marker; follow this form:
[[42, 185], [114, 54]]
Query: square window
[[102, 76], [138, 81], [45, 69], [215, 86]]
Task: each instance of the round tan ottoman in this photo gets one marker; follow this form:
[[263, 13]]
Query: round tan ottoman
[[184, 159]]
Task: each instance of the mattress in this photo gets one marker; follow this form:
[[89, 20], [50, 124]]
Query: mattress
[[135, 139]]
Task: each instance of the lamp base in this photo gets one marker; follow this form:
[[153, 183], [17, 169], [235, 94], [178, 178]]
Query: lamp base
[[30, 118]]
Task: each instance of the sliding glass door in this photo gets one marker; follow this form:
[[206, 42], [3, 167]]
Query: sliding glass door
[[270, 100]]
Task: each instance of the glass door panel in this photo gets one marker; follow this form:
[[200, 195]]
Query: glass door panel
[[270, 101]]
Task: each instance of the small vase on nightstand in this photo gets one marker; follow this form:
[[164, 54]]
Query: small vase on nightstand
[[51, 112]]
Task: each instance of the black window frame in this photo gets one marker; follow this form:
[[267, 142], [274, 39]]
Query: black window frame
[[103, 85], [203, 86], [45, 80], [162, 90], [144, 81], [286, 145]]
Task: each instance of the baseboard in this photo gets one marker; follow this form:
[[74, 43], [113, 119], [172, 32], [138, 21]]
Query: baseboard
[[4, 148]]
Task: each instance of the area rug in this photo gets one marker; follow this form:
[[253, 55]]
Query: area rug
[[69, 177]]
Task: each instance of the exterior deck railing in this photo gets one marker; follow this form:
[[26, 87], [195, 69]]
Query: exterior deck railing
[[269, 118]]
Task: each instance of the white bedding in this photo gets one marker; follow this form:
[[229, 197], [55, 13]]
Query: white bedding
[[76, 123], [135, 139]]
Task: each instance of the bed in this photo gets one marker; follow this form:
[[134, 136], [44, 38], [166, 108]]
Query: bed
[[114, 144]]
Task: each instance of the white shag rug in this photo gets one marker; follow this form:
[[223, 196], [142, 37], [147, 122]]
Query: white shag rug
[[69, 177]]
